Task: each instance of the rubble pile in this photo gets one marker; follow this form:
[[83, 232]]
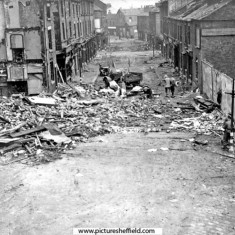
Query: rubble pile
[[207, 123], [38, 129]]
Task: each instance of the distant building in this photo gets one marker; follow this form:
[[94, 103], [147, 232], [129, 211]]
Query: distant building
[[112, 23], [101, 23], [143, 26], [154, 27], [127, 22]]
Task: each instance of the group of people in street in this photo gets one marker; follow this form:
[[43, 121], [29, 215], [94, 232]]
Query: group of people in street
[[119, 89], [184, 81], [170, 85]]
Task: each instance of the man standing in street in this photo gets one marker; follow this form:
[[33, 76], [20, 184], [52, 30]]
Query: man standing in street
[[173, 85], [227, 130], [167, 84]]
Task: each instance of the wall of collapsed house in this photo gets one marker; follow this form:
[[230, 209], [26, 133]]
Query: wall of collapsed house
[[213, 81], [21, 60], [74, 37]]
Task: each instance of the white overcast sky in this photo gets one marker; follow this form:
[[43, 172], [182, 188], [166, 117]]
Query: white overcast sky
[[116, 4]]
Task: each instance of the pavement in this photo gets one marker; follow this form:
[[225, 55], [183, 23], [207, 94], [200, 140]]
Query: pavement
[[127, 179]]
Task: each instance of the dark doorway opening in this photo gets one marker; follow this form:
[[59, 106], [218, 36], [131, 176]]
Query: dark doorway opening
[[61, 65], [176, 56], [18, 87]]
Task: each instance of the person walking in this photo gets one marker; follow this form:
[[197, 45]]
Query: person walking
[[167, 84], [227, 130], [172, 88], [184, 81]]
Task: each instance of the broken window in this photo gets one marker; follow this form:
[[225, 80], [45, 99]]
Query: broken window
[[62, 8], [198, 37], [50, 38], [52, 71], [78, 29], [18, 55], [77, 10], [189, 35], [70, 29], [73, 10], [17, 46], [75, 30], [196, 62], [63, 30], [48, 11], [69, 7]]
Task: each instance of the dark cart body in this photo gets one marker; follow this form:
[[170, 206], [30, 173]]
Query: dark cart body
[[104, 71], [133, 79]]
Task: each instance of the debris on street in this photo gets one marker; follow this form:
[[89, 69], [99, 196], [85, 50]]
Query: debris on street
[[204, 124], [54, 122]]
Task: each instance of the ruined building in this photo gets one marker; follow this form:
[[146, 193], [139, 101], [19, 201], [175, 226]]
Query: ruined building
[[21, 59], [44, 42]]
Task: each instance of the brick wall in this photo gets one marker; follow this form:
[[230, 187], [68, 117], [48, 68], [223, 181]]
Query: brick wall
[[158, 24], [154, 23], [143, 23], [220, 52]]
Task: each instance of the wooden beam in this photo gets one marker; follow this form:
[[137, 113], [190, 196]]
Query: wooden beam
[[28, 132]]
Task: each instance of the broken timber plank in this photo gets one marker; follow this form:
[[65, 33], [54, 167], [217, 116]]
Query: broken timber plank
[[10, 148], [27, 132], [4, 119], [9, 131]]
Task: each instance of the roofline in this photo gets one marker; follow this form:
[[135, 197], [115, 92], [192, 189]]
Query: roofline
[[202, 16], [204, 20], [212, 20]]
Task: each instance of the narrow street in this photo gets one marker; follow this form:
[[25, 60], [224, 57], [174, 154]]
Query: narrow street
[[126, 179]]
